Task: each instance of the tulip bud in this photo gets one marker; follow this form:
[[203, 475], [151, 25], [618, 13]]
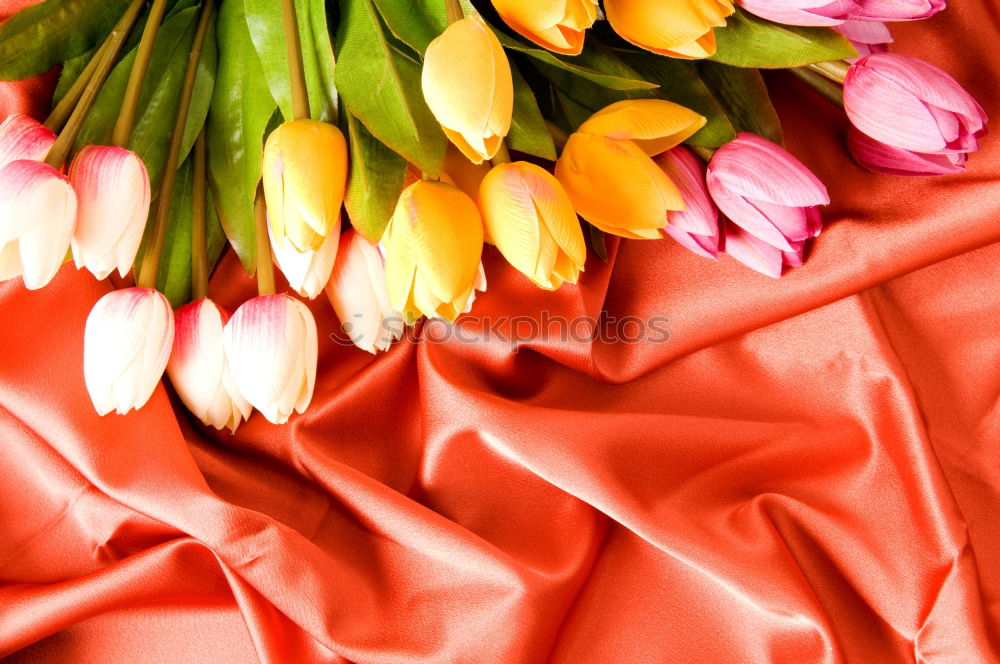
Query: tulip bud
[[759, 255], [557, 25], [37, 215], [432, 249], [910, 104], [112, 190], [305, 176], [199, 370], [803, 12], [867, 37], [678, 28], [881, 158], [766, 191], [607, 169], [126, 346], [307, 271], [468, 86], [531, 220], [272, 346], [23, 137], [358, 293], [696, 228], [897, 10]]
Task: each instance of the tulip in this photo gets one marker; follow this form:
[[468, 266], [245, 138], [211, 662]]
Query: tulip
[[867, 37], [468, 86], [358, 293], [112, 190], [910, 104], [271, 346], [558, 25], [881, 158], [607, 168], [758, 254], [696, 227], [37, 215], [678, 28], [803, 12], [897, 10], [126, 345], [766, 191], [23, 137], [305, 176], [432, 249], [531, 220], [198, 368], [307, 271]]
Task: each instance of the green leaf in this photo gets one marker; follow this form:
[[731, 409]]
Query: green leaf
[[376, 181], [592, 65], [680, 83], [241, 109], [743, 94], [266, 26], [157, 111], [174, 277], [598, 241], [749, 41], [380, 83], [37, 38], [528, 132], [414, 22]]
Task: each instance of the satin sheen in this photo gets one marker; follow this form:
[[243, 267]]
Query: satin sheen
[[806, 471]]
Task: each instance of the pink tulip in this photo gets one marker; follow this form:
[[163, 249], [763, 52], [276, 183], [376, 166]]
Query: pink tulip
[[199, 370], [867, 37], [897, 10], [37, 215], [803, 12], [759, 255], [358, 293], [112, 188], [910, 104], [766, 191], [126, 346], [23, 137], [881, 158], [271, 345], [307, 271], [696, 228]]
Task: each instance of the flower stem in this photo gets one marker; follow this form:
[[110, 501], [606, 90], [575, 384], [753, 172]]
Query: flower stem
[[60, 114], [265, 269], [835, 70], [559, 137], [151, 261], [106, 60], [502, 156], [454, 11], [704, 152], [296, 69], [130, 103], [199, 236], [820, 84]]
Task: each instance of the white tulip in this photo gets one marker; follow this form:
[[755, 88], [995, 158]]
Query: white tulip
[[307, 271]]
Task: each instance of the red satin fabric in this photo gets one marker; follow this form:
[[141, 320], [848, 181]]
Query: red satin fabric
[[807, 471]]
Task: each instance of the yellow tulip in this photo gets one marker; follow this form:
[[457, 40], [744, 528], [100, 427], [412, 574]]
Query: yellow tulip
[[305, 175], [557, 25], [607, 168], [468, 86], [533, 224], [678, 28], [433, 246]]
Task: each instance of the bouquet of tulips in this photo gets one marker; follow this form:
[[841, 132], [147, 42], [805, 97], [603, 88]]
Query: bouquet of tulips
[[537, 126]]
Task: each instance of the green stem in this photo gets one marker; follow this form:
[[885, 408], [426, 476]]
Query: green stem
[[151, 261], [130, 103], [820, 84], [705, 153], [61, 148], [265, 269], [559, 137], [502, 156], [60, 114], [454, 10], [199, 236], [296, 69], [835, 70]]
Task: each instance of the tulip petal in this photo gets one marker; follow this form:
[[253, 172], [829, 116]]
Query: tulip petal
[[655, 125], [307, 271], [701, 245], [666, 26], [881, 158], [23, 137], [761, 170], [687, 171], [753, 252]]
